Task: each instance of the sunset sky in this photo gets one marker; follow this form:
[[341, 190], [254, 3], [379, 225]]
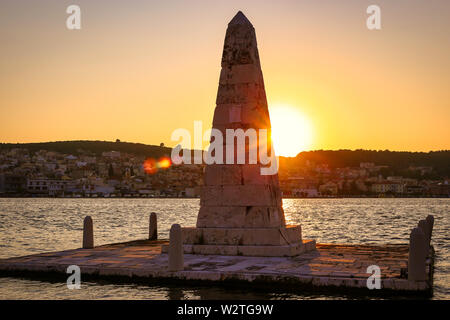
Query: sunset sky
[[137, 70]]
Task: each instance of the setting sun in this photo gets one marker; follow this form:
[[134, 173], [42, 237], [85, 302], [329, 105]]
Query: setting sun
[[291, 130]]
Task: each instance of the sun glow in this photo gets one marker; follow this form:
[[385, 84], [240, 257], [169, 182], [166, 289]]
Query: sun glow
[[291, 130]]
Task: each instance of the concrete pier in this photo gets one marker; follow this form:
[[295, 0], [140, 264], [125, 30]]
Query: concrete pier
[[331, 266]]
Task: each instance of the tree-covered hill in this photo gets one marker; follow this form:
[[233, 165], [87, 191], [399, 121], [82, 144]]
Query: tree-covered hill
[[439, 160], [94, 147]]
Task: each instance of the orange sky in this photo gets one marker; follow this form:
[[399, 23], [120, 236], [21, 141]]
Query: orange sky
[[138, 70]]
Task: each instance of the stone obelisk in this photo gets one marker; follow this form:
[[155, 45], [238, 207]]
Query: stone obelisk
[[241, 209]]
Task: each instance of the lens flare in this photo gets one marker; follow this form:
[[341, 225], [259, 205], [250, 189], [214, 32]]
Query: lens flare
[[164, 163], [152, 166]]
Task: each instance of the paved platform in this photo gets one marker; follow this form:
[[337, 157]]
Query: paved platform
[[331, 266]]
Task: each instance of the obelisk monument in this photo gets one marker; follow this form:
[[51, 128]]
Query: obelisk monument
[[241, 209]]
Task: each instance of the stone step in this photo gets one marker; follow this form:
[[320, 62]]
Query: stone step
[[243, 236], [256, 251]]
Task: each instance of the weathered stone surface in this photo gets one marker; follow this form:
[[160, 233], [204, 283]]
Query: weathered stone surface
[[252, 250], [242, 236], [240, 195], [256, 116], [417, 255], [222, 174], [243, 73], [176, 254], [144, 259], [240, 217], [212, 175], [235, 114], [253, 115], [430, 224], [153, 227], [258, 217], [251, 174], [424, 227], [240, 43], [239, 206], [226, 217], [221, 115], [88, 233], [240, 93], [227, 114]]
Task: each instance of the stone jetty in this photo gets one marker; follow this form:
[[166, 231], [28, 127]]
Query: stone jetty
[[331, 268]]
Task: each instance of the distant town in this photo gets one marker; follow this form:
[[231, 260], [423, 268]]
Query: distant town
[[28, 172]]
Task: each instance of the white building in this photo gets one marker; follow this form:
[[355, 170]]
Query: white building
[[51, 187]]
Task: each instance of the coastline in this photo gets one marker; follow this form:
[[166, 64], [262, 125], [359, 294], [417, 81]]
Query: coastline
[[14, 196]]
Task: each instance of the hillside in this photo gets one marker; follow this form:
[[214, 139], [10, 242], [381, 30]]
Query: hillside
[[95, 147], [439, 160]]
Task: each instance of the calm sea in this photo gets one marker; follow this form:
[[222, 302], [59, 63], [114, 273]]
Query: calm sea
[[30, 226]]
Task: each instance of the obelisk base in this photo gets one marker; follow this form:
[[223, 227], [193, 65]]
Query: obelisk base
[[264, 242]]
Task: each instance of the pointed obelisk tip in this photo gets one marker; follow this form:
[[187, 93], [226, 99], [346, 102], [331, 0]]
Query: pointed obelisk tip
[[240, 18]]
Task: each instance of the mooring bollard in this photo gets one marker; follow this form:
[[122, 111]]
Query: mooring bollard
[[416, 259], [176, 258], [430, 224], [88, 233], [153, 227], [424, 226]]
